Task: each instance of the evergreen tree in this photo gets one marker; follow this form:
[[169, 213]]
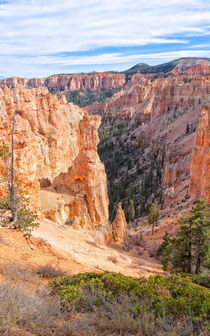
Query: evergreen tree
[[153, 216], [131, 211], [165, 251], [197, 226], [188, 251]]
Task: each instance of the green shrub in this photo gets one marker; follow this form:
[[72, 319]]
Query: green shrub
[[201, 279], [176, 296], [36, 312]]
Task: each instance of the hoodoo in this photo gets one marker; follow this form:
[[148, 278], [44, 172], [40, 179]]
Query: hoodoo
[[56, 155]]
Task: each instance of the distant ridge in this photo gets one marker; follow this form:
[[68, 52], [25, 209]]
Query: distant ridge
[[142, 68], [165, 67]]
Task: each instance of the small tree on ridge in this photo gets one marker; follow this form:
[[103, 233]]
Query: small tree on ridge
[[13, 199]]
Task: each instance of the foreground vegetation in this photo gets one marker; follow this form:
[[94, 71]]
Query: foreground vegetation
[[158, 306], [106, 304]]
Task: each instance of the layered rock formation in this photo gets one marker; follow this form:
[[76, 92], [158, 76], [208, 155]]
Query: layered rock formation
[[119, 227], [145, 99], [157, 121], [94, 81], [85, 181], [154, 124], [111, 80], [56, 145], [192, 67], [200, 166]]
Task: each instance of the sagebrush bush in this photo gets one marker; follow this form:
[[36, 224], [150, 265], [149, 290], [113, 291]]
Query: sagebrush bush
[[49, 271], [36, 312], [118, 318], [176, 298], [16, 272], [201, 279]]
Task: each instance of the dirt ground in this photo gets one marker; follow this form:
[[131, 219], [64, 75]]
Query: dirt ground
[[72, 251]]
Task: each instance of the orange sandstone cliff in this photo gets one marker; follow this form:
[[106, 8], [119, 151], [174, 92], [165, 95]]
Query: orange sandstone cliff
[[144, 99], [162, 117], [56, 148], [200, 166], [85, 182], [95, 81], [119, 226]]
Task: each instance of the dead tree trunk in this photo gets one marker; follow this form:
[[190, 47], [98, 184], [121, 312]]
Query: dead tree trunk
[[12, 180]]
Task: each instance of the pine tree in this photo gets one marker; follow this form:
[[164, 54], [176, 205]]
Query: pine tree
[[188, 251], [197, 226], [131, 211], [165, 251], [153, 216]]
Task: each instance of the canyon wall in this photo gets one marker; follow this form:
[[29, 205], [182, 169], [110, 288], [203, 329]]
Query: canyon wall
[[145, 99], [200, 166], [154, 124], [56, 148], [85, 181], [192, 67], [111, 80], [56, 143], [94, 81]]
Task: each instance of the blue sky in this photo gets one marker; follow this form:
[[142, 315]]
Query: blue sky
[[43, 37]]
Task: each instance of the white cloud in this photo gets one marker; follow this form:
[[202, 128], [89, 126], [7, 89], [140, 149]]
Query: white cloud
[[38, 28]]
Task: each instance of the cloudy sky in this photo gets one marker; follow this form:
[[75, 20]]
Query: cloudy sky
[[44, 37]]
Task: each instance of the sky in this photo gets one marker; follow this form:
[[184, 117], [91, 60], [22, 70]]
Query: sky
[[45, 37]]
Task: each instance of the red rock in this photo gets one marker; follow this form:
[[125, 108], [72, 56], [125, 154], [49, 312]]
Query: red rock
[[165, 107], [200, 166], [119, 227], [86, 182], [56, 143], [145, 99], [95, 81]]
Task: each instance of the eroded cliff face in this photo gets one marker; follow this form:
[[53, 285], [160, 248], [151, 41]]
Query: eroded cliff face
[[119, 227], [192, 67], [94, 81], [56, 149], [144, 99], [148, 152], [200, 166], [85, 181]]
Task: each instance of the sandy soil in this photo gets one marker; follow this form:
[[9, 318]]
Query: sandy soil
[[70, 250], [84, 250]]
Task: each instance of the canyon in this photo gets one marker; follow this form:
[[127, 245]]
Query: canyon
[[56, 158], [110, 80], [158, 131], [91, 174], [154, 142]]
